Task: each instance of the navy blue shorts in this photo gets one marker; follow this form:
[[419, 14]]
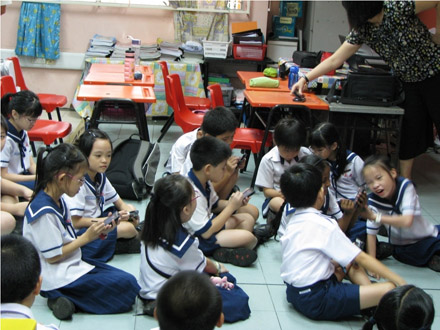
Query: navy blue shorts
[[325, 300]]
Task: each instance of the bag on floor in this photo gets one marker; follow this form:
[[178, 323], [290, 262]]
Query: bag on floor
[[132, 170], [235, 301]]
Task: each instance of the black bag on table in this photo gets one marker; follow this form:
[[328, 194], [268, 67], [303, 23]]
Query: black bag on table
[[306, 59], [370, 87], [132, 170]]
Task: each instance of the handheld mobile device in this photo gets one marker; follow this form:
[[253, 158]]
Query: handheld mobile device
[[298, 97], [134, 214], [248, 192], [114, 216], [242, 159], [361, 190]]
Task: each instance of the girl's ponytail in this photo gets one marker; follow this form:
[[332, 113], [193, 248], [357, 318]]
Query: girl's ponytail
[[5, 104]]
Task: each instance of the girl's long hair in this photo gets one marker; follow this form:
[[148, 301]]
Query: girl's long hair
[[162, 217], [26, 103], [52, 161], [323, 136]]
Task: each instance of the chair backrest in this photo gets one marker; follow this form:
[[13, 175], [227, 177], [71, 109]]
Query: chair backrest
[[216, 95], [7, 85], [18, 74], [165, 74], [183, 116]]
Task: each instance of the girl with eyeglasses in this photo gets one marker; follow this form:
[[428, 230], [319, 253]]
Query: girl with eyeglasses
[[70, 283], [21, 110], [92, 202]]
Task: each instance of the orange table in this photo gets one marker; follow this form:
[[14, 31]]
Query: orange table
[[138, 94], [246, 76], [105, 78], [118, 68]]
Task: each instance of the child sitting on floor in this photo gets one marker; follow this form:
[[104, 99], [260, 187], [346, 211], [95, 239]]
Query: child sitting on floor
[[312, 243], [228, 234], [289, 137]]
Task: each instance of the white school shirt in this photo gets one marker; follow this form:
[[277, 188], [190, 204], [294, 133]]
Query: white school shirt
[[49, 228], [179, 151], [85, 202], [330, 208], [272, 167], [311, 241], [347, 186], [10, 155], [19, 311], [200, 221], [184, 255], [407, 202]]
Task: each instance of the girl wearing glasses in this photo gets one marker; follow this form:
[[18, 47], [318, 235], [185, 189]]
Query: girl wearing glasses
[[91, 202], [70, 283], [21, 110]]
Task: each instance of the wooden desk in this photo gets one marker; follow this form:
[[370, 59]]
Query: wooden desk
[[140, 95], [118, 68], [246, 76], [106, 78]]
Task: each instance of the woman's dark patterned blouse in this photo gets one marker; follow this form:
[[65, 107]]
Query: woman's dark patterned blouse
[[403, 41]]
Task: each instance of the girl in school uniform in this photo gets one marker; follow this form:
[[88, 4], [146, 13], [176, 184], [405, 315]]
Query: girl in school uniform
[[97, 193], [167, 248], [345, 170], [21, 110], [69, 282], [394, 203]]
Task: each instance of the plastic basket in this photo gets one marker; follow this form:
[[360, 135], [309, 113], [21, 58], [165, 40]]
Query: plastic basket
[[249, 52], [216, 49]]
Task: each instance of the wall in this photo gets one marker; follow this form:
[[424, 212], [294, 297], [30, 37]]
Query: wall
[[79, 23]]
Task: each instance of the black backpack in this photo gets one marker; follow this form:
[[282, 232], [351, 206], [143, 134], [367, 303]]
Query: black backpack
[[132, 170]]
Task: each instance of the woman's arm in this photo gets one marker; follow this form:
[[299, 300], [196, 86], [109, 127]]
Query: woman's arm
[[333, 62]]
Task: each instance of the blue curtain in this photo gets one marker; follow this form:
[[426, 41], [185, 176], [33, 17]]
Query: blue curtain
[[39, 30]]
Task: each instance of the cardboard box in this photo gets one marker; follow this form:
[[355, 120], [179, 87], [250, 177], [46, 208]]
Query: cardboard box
[[283, 26], [238, 27]]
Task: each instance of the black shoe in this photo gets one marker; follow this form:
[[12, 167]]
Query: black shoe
[[149, 306], [263, 233], [383, 250], [434, 263], [241, 257], [368, 312], [61, 307], [130, 245]]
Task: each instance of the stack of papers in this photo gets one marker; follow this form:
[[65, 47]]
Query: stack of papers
[[149, 52], [101, 46], [171, 49]]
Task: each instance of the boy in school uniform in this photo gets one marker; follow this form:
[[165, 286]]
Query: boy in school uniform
[[227, 234], [311, 246], [21, 280], [289, 137], [189, 300]]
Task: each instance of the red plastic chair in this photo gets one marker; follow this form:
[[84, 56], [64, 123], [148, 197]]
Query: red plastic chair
[[184, 117], [192, 102], [49, 102], [44, 130], [215, 92]]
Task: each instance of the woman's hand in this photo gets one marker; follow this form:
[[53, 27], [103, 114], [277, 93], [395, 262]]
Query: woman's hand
[[299, 86]]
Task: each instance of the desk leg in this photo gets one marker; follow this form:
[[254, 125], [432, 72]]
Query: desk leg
[[142, 122]]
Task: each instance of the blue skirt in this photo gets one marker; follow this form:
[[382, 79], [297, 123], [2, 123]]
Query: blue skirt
[[103, 290], [359, 230], [418, 254], [100, 250], [235, 301]]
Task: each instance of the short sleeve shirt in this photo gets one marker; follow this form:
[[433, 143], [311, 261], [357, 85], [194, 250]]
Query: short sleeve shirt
[[347, 185], [180, 151], [17, 152], [403, 41]]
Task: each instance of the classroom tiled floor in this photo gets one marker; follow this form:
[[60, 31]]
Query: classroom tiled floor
[[262, 282]]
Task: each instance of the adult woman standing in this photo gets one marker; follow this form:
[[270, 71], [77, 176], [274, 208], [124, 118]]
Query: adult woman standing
[[394, 31]]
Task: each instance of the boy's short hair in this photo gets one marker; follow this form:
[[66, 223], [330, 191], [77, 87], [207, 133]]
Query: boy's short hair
[[190, 301], [208, 150], [219, 121], [290, 133], [300, 185], [21, 268]]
